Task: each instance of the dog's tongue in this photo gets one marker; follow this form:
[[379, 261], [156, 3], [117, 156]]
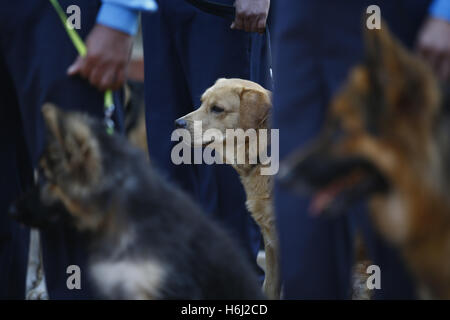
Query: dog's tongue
[[324, 197]]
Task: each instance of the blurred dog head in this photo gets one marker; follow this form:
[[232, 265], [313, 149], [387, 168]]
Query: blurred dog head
[[81, 168], [380, 129]]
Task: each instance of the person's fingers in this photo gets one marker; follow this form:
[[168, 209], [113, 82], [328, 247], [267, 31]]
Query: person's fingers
[[254, 24], [437, 60], [92, 61], [107, 79], [95, 76], [429, 55], [247, 24], [119, 79], [261, 26], [238, 22], [83, 66], [76, 66]]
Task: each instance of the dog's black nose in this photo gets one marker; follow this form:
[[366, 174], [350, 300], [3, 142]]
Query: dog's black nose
[[180, 124]]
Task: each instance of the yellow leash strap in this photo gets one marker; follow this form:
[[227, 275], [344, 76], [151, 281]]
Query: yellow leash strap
[[81, 48]]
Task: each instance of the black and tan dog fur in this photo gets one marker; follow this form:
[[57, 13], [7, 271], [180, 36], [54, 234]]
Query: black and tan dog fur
[[147, 239], [388, 137]]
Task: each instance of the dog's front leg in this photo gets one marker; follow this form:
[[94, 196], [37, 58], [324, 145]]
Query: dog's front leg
[[271, 284]]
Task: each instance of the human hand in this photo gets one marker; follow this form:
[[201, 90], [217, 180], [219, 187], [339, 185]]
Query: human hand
[[106, 61], [251, 15], [434, 46]]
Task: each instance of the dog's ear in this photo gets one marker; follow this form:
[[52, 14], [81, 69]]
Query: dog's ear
[[255, 107], [72, 138], [404, 80], [52, 119]]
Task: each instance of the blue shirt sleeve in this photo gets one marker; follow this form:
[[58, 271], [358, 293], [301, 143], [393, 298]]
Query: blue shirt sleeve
[[441, 9], [123, 14]]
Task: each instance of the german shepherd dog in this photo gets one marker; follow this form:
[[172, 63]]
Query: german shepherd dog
[[147, 239], [388, 137]]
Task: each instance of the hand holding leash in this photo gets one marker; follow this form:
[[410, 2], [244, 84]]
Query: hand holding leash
[[251, 15], [106, 60], [81, 48]]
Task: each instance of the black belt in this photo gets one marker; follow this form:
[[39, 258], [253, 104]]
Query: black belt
[[229, 12]]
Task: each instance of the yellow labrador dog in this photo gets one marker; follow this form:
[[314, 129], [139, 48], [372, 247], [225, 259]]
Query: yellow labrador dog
[[238, 110]]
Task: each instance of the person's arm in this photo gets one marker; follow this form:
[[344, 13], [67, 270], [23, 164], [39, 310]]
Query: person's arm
[[109, 43], [122, 15], [434, 39], [440, 9], [251, 15]]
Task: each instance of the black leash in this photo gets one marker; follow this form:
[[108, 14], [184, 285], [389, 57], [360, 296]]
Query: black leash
[[229, 12], [217, 9]]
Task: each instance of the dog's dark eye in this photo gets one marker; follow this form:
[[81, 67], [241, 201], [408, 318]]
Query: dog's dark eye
[[217, 109]]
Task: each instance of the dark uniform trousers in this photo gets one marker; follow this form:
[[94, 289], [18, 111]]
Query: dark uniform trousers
[[315, 44], [186, 51], [35, 53]]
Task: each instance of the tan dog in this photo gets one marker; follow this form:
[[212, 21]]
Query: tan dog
[[240, 104]]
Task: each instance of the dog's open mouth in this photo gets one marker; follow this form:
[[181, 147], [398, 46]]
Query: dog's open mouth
[[334, 183], [326, 196]]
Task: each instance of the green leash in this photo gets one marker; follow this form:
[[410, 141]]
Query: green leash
[[81, 48]]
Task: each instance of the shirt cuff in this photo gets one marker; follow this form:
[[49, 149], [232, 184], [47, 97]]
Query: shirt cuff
[[441, 9], [118, 17]]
